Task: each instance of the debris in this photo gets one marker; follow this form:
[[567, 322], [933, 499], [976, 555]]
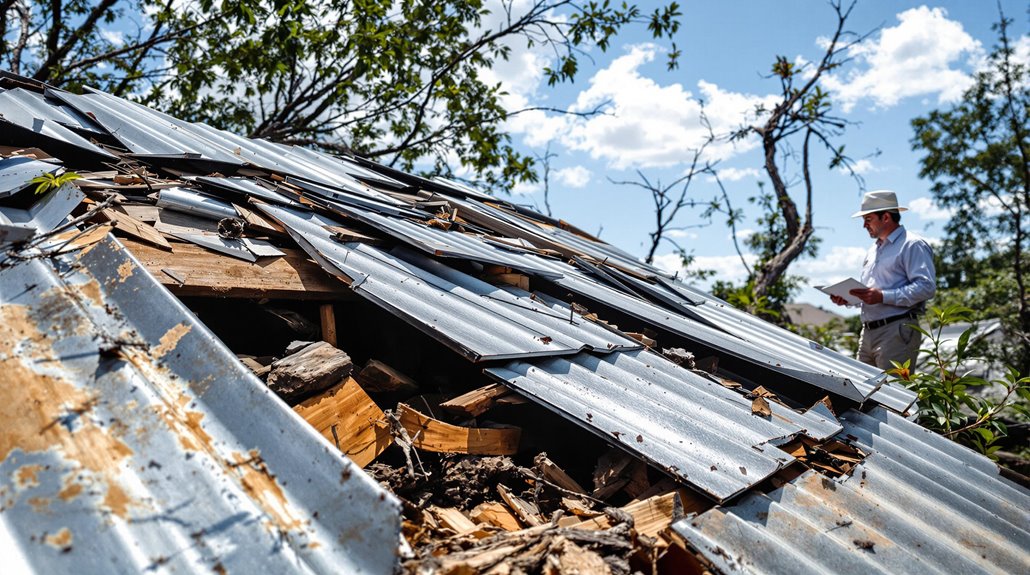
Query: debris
[[679, 356], [432, 434], [496, 514], [475, 402], [647, 341], [312, 369], [377, 377], [349, 419], [231, 228], [760, 406]]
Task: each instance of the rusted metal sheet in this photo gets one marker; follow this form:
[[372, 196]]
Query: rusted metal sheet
[[694, 428], [919, 503], [134, 441]]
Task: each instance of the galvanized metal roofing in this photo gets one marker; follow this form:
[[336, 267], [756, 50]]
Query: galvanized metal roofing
[[135, 441], [29, 112], [479, 320], [918, 504], [16, 173], [439, 242], [692, 427]]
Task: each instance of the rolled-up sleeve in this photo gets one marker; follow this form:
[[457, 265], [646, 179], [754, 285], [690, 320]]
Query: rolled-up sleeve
[[921, 282]]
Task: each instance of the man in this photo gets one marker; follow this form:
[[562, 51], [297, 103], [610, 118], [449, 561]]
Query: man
[[900, 276]]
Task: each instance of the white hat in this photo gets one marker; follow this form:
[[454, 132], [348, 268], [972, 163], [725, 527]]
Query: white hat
[[878, 201]]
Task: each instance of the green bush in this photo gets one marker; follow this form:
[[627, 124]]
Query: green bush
[[945, 403]]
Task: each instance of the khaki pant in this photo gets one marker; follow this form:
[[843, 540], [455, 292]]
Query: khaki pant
[[895, 341]]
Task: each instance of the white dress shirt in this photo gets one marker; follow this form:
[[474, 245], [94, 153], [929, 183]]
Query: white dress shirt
[[902, 268]]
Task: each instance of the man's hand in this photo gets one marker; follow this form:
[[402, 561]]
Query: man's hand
[[869, 295], [838, 300]]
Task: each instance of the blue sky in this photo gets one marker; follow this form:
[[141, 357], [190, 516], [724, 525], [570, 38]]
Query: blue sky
[[919, 59]]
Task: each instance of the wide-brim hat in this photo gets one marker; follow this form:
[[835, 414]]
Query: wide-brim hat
[[879, 201]]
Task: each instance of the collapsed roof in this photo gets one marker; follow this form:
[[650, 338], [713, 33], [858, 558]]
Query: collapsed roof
[[139, 439]]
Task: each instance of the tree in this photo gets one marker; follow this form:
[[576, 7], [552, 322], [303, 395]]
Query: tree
[[977, 154], [802, 114], [397, 81]]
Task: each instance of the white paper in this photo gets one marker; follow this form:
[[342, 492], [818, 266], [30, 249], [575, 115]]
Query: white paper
[[842, 288]]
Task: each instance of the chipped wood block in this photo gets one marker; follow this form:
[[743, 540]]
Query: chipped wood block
[[349, 419], [496, 514], [453, 519], [524, 510], [650, 516], [760, 407], [376, 376], [475, 402], [311, 369], [434, 435], [556, 475], [649, 342], [206, 273]]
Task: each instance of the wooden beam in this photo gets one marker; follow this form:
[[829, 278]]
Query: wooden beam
[[475, 402], [496, 514], [206, 273], [434, 435], [650, 517], [349, 419], [328, 323]]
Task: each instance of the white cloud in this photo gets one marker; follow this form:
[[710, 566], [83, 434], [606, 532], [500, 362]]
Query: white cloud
[[574, 177], [727, 268], [743, 234], [115, 37], [646, 124], [927, 210], [682, 234], [860, 167], [839, 263], [736, 174], [526, 189], [918, 57]]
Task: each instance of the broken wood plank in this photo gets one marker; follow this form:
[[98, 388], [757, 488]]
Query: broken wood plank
[[650, 517], [434, 435], [344, 234], [206, 273], [524, 510], [349, 419], [312, 369], [453, 519], [556, 475], [611, 475], [328, 317], [475, 402], [376, 376], [135, 227], [496, 514], [647, 341]]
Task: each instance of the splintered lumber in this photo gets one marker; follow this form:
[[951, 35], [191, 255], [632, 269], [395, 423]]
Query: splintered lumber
[[311, 369], [475, 402], [524, 510], [349, 419], [647, 341], [206, 273], [431, 434], [376, 376], [611, 473], [556, 475], [135, 227], [328, 317], [453, 519], [496, 514], [650, 516]]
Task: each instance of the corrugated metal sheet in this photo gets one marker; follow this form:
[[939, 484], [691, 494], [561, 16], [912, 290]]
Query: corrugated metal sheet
[[29, 112], [698, 305], [454, 244], [918, 504], [694, 428], [477, 319], [135, 441], [17, 172], [247, 187], [48, 212]]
